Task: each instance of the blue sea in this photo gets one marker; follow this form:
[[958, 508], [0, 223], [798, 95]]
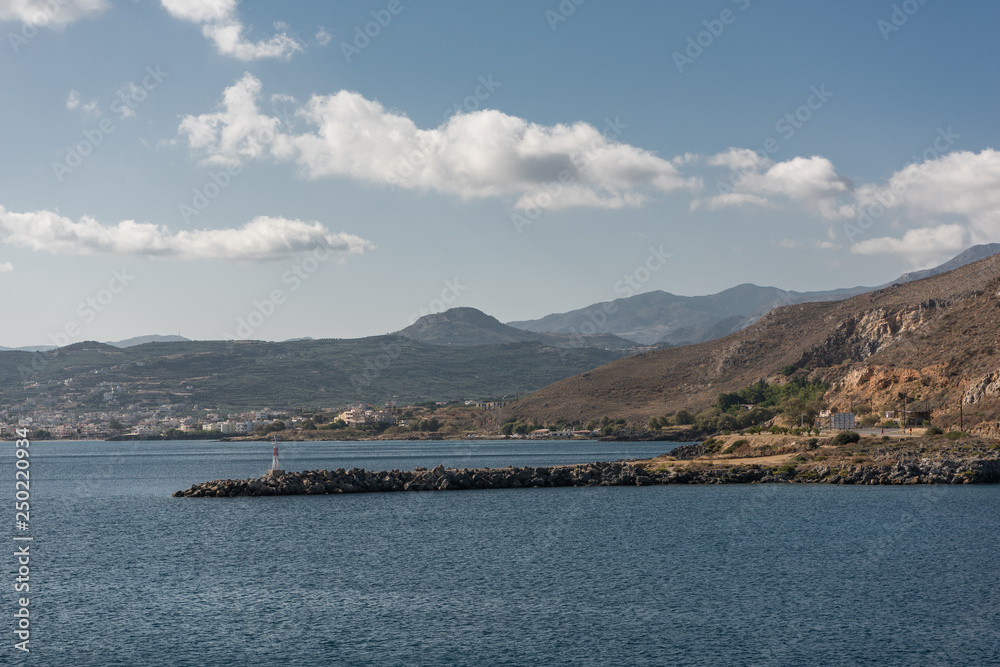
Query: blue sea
[[123, 574]]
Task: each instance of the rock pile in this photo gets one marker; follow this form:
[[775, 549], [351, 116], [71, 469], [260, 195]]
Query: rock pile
[[619, 473]]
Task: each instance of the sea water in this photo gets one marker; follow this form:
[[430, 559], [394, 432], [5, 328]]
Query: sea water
[[123, 574]]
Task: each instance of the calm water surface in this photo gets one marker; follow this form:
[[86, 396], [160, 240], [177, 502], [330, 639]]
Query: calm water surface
[[122, 574]]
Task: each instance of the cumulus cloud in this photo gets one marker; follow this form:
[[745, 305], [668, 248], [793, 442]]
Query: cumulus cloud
[[237, 132], [479, 154], [323, 37], [6, 267], [221, 24], [50, 14], [73, 102], [920, 245], [263, 238], [757, 181], [955, 200]]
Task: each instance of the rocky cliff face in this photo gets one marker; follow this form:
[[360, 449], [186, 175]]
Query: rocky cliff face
[[935, 341], [987, 386]]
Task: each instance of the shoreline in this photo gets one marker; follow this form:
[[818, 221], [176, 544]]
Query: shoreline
[[953, 468]]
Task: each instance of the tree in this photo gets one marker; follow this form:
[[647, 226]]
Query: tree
[[683, 417], [116, 425]]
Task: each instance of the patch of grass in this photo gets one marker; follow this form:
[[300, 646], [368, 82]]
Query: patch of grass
[[712, 445], [955, 435], [736, 445]]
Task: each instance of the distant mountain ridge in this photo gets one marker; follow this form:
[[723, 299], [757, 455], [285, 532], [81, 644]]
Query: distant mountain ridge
[[142, 340], [660, 317], [935, 342], [469, 326]]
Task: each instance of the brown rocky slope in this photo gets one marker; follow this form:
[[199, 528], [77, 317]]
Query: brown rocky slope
[[936, 341]]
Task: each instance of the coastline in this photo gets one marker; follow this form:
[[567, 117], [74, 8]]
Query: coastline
[[918, 461]]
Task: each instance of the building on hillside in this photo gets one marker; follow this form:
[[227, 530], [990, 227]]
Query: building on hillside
[[842, 421], [365, 415]]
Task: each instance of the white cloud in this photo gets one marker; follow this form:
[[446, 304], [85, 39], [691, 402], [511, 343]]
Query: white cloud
[[5, 267], [236, 133], [756, 181], [954, 200], [49, 13], [323, 37], [200, 11], [739, 159], [920, 245], [263, 238], [74, 102], [478, 154], [221, 24]]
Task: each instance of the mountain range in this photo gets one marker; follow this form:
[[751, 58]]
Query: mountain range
[[659, 317], [935, 341], [468, 326]]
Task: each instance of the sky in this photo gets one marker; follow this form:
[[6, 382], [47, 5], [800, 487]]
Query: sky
[[221, 169]]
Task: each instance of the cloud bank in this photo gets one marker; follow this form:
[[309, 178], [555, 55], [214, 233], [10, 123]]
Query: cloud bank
[[263, 238], [938, 205], [471, 155]]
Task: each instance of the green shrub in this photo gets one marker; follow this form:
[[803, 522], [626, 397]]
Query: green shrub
[[955, 435], [736, 445], [846, 438], [812, 443], [935, 430]]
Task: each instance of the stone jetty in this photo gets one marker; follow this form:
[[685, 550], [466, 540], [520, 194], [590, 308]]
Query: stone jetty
[[619, 473]]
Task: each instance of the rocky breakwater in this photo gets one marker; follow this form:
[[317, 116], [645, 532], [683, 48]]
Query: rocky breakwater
[[440, 478], [619, 473]]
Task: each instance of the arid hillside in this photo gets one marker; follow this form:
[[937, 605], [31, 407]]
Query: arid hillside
[[936, 341]]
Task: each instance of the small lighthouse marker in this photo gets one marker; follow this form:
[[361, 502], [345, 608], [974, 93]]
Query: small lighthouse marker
[[275, 470]]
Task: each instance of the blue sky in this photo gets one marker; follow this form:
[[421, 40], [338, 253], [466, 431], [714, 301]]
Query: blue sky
[[262, 171]]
